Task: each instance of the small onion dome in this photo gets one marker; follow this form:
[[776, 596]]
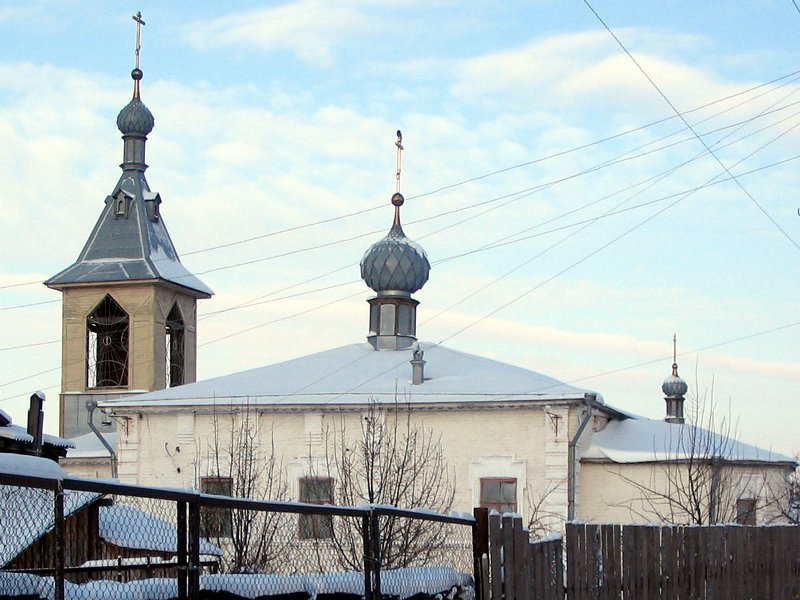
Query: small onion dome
[[674, 386], [135, 118], [395, 263]]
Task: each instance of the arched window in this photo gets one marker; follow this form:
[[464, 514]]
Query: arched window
[[174, 347], [107, 334]]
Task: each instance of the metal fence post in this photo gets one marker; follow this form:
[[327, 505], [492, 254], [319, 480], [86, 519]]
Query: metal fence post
[[194, 550], [367, 541], [376, 553], [58, 546], [182, 573]]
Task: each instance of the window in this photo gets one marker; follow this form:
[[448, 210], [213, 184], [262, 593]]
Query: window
[[386, 324], [746, 511], [499, 494], [107, 345], [174, 347], [316, 490], [216, 522]]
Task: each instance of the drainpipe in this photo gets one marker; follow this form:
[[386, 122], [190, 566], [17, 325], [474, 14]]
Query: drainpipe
[[572, 455], [91, 405]]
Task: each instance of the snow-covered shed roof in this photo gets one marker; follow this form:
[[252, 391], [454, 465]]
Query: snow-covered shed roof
[[20, 434], [638, 440], [129, 527], [28, 512], [358, 373], [88, 446]]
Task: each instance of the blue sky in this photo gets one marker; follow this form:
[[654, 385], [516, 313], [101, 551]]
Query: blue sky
[[271, 116]]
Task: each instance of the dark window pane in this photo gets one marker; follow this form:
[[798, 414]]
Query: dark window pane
[[316, 490], [216, 522], [499, 494]]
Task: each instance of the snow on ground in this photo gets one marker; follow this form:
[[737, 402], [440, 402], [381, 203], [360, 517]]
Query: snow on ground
[[403, 583]]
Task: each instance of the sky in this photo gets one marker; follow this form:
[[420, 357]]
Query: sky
[[573, 220]]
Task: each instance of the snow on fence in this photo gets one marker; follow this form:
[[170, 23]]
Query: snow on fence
[[64, 538]]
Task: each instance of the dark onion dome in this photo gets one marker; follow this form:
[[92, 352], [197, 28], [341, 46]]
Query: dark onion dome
[[674, 386], [135, 118], [395, 263]]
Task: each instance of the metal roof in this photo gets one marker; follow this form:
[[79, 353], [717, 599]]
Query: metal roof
[[133, 247], [358, 374]]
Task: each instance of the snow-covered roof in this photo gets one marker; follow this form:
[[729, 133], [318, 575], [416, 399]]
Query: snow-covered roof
[[88, 446], [357, 373], [20, 434], [28, 514], [134, 247], [638, 440], [129, 527], [30, 466]]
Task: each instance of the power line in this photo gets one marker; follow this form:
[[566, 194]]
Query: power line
[[791, 77], [699, 138]]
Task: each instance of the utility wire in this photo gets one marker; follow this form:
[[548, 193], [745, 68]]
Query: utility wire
[[512, 197], [688, 125], [790, 76]]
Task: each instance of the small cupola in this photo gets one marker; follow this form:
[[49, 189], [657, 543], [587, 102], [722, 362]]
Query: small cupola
[[674, 389], [135, 121], [394, 267]]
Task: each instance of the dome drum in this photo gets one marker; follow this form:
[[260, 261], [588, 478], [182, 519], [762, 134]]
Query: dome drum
[[392, 322]]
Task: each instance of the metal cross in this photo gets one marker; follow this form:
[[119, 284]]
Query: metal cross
[[399, 144], [674, 348], [139, 22]]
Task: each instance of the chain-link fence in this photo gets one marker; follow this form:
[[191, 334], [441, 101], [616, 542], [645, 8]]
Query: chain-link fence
[[79, 538]]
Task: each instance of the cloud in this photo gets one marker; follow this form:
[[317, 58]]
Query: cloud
[[311, 29], [572, 71]]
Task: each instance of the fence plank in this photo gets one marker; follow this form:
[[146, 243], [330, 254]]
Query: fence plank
[[508, 557], [495, 552], [521, 541]]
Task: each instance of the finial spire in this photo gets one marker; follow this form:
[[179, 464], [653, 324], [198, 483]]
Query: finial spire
[[139, 22], [397, 199], [399, 144], [675, 354], [136, 74]]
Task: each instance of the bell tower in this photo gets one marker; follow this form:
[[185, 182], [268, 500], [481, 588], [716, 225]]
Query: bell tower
[[128, 304]]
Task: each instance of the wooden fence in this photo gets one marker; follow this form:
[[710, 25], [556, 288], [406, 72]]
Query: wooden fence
[[518, 568], [636, 562], [606, 562]]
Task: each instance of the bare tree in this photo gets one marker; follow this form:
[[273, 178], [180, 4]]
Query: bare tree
[[236, 464], [541, 521], [699, 475], [389, 461], [787, 493]]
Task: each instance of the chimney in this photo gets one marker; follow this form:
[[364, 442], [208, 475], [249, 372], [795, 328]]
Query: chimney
[[417, 367], [36, 421]]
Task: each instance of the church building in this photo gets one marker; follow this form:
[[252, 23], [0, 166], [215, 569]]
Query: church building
[[513, 439]]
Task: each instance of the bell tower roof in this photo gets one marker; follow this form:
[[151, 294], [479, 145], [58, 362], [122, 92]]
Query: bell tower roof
[[130, 241]]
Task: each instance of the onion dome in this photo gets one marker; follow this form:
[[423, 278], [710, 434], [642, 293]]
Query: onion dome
[[674, 386], [395, 263], [135, 118]]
